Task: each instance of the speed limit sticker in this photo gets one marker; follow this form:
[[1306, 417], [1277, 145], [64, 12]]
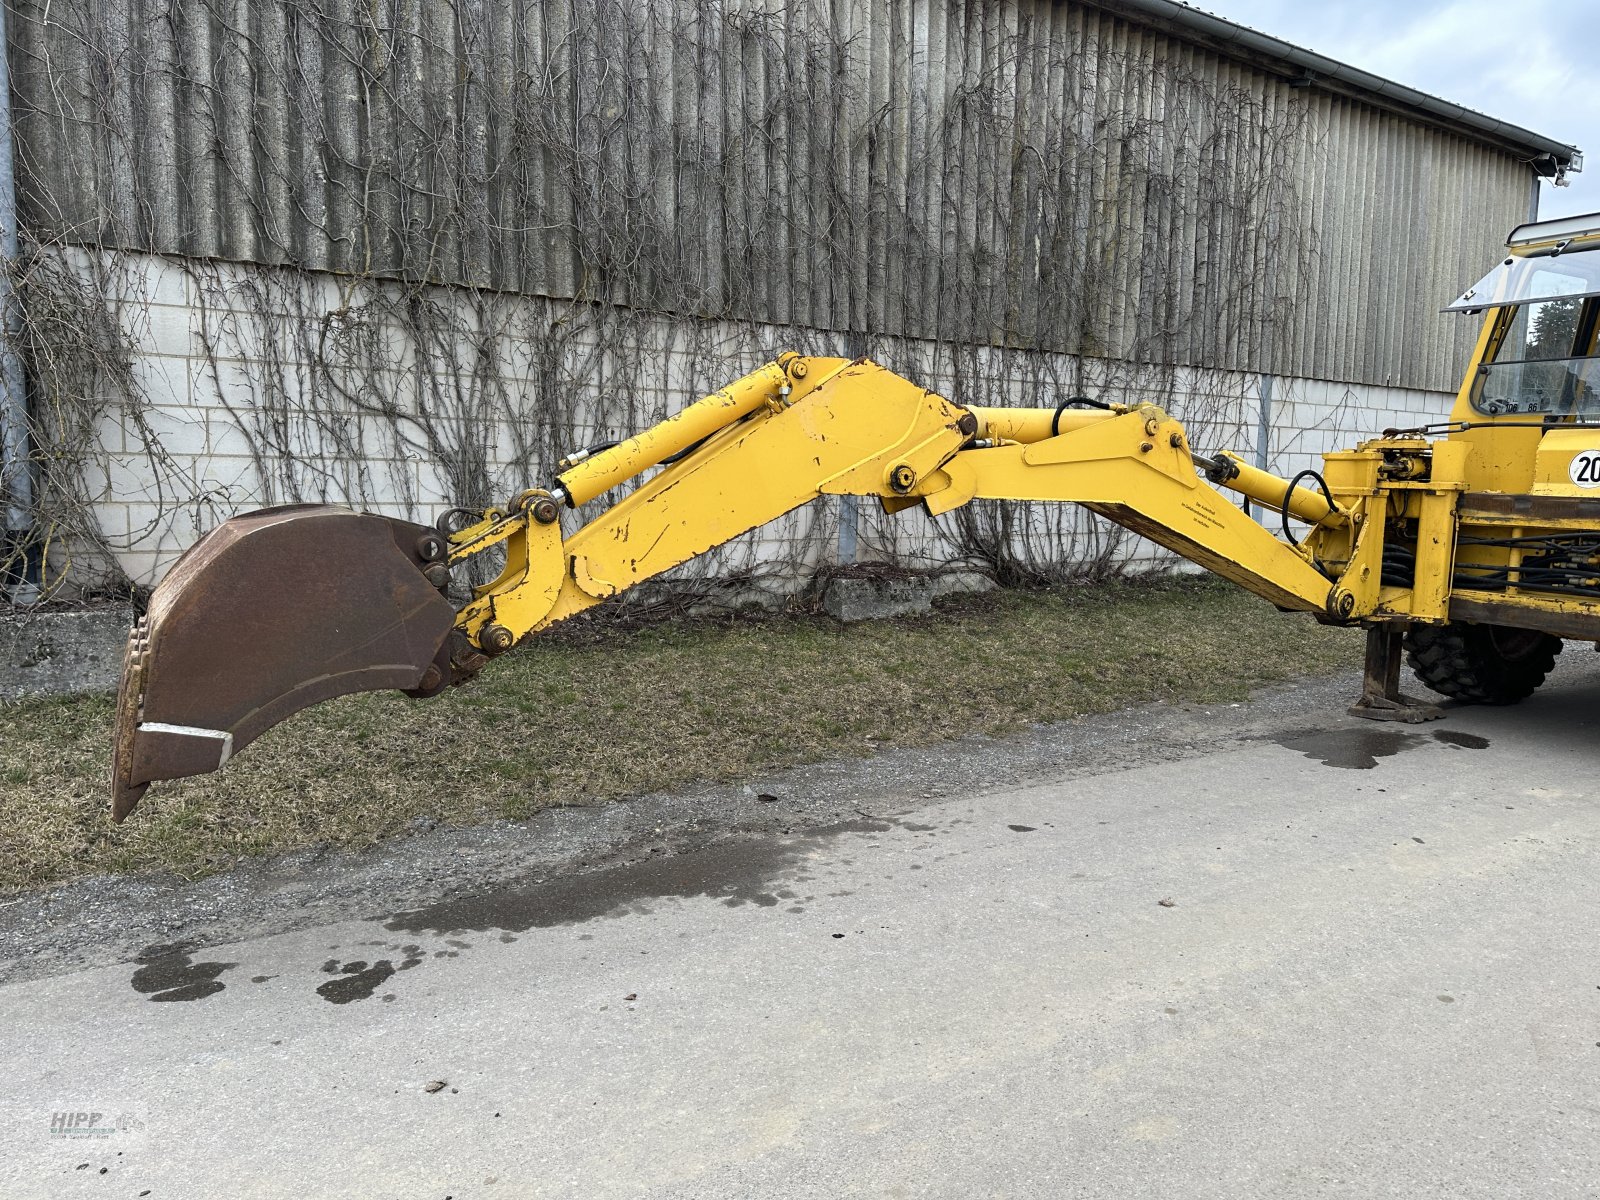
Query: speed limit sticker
[[1585, 468]]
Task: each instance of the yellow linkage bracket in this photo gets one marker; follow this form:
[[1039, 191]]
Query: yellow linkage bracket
[[1136, 469], [502, 611]]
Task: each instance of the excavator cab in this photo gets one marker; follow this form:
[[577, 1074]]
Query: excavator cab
[[1539, 358]]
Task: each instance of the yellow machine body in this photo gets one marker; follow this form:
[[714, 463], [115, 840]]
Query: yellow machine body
[[1478, 538]]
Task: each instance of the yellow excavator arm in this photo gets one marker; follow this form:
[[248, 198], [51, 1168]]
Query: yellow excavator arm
[[342, 602]]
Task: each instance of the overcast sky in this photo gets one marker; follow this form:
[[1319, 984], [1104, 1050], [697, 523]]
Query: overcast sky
[[1538, 71]]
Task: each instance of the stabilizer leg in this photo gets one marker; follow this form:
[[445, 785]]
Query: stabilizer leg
[[1381, 697]]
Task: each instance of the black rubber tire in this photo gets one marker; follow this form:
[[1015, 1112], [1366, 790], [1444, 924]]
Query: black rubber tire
[[1481, 664]]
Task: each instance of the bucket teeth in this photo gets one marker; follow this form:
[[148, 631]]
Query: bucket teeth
[[125, 794], [268, 614]]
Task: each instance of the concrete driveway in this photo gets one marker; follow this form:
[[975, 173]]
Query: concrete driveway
[[1306, 956]]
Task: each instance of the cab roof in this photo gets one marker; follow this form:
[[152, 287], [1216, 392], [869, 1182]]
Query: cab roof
[[1539, 234]]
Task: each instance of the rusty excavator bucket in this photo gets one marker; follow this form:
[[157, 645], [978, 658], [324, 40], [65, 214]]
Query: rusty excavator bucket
[[270, 613]]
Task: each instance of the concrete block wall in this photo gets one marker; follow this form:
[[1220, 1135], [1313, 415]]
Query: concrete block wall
[[1311, 417], [230, 407]]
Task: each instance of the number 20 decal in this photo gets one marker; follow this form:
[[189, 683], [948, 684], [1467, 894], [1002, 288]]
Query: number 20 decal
[[1585, 468]]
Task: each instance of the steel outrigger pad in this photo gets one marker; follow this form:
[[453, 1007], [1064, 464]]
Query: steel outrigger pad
[[1381, 698], [269, 613]]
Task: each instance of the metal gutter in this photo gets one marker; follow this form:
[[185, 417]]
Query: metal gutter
[[16, 458], [1319, 71]]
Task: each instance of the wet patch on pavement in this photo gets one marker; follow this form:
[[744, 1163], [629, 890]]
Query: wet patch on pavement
[[1357, 749], [738, 872], [1463, 741], [170, 973], [359, 980], [764, 871]]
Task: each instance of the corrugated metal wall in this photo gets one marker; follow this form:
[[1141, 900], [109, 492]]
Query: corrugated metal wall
[[1019, 173]]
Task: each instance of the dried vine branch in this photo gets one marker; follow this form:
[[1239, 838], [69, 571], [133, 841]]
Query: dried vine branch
[[425, 247]]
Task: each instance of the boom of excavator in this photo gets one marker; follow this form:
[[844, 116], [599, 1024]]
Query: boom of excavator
[[1479, 545]]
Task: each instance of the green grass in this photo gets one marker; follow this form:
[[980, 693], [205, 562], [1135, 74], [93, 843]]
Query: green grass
[[588, 716]]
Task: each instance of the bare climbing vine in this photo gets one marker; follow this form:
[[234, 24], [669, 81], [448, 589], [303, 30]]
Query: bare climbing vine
[[404, 254]]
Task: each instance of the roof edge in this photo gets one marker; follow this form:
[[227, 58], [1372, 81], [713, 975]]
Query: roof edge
[[1324, 71]]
